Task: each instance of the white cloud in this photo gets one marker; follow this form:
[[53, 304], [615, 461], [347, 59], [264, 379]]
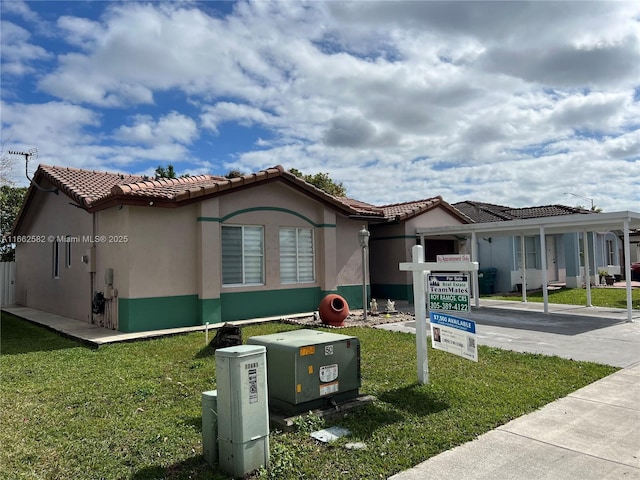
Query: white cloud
[[17, 53], [245, 115], [492, 101], [171, 128]]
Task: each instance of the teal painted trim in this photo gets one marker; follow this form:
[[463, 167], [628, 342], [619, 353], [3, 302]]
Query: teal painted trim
[[393, 291], [268, 303], [353, 295], [142, 314], [262, 209], [394, 237], [210, 310]]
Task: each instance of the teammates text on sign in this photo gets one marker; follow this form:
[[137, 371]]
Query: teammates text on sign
[[448, 292]]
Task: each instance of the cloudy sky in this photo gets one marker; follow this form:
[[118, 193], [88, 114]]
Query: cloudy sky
[[513, 103]]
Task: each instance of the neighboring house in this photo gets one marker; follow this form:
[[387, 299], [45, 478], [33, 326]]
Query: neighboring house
[[564, 252], [178, 252]]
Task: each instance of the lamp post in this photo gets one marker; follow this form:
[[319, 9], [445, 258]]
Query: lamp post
[[363, 236]]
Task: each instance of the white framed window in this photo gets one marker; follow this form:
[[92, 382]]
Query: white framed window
[[242, 255], [297, 255], [56, 259], [611, 252], [531, 252]]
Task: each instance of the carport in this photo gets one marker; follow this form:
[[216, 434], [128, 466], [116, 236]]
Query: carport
[[585, 223]]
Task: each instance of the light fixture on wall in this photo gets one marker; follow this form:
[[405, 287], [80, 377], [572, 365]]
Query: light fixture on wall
[[363, 236]]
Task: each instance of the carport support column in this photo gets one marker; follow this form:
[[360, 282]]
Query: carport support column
[[474, 258], [587, 275], [627, 268], [523, 261], [545, 279]]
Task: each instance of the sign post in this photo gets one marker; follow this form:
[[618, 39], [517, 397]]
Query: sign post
[[417, 266]]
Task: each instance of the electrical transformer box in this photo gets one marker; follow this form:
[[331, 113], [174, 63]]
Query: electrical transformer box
[[308, 369]]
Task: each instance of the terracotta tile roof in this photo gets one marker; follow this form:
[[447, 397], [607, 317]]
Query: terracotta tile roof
[[98, 190], [403, 211], [83, 186], [400, 212], [486, 212], [362, 208]]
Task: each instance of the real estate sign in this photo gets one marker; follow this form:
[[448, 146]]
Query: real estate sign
[[448, 292], [454, 335]]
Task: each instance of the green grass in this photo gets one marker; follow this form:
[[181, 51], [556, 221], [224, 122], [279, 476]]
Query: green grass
[[600, 297], [133, 410]]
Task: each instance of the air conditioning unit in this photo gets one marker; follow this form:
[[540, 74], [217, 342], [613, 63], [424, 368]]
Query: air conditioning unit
[[309, 369]]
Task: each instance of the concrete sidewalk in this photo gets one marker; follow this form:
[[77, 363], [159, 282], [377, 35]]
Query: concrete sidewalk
[[96, 336], [591, 434]]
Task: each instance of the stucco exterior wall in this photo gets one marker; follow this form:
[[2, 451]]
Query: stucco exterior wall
[[166, 262], [70, 294], [162, 251], [392, 244], [173, 258]]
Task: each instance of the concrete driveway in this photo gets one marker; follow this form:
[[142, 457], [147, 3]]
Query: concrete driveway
[[594, 334]]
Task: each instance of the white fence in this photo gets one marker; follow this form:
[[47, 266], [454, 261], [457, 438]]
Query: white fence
[[7, 283]]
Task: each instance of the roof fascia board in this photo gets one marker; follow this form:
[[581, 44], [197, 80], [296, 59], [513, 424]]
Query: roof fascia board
[[558, 224]]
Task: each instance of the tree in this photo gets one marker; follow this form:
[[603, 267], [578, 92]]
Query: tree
[[11, 199], [168, 172], [162, 172], [234, 174], [322, 181]]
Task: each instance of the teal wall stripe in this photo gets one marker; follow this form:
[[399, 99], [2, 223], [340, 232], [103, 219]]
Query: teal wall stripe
[[268, 303], [155, 313], [262, 209]]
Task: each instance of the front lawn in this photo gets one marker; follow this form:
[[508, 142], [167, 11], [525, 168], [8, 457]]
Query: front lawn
[[133, 410], [600, 297]]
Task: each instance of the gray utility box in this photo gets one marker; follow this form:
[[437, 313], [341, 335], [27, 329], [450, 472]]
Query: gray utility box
[[243, 409], [309, 369], [210, 426]]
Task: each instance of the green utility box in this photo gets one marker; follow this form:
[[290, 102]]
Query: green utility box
[[308, 369]]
